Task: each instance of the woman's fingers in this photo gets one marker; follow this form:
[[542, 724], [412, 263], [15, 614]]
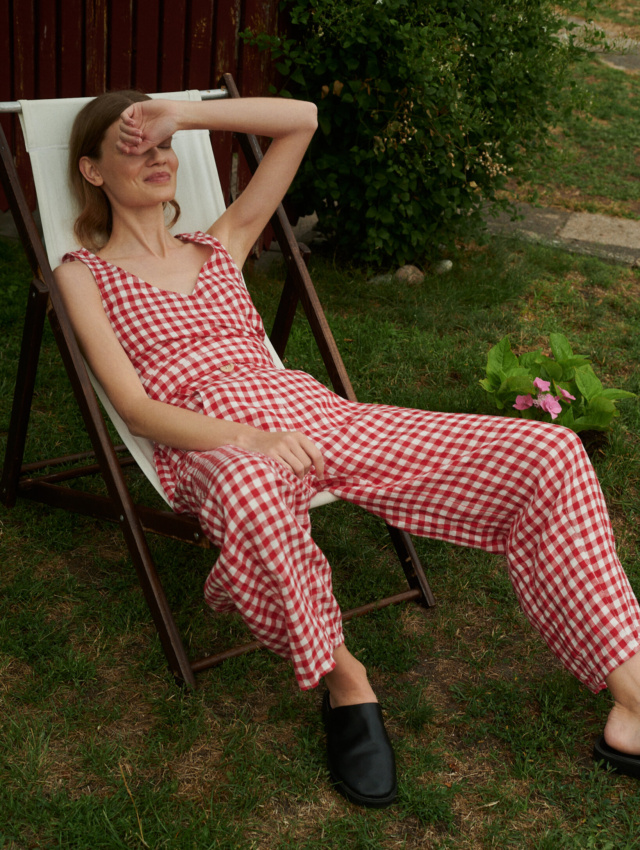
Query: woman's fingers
[[315, 456], [293, 450], [146, 124]]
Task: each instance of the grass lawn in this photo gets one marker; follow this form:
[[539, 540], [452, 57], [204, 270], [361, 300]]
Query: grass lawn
[[99, 749], [592, 161]]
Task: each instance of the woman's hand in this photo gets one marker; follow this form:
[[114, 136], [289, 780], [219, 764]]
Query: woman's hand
[[290, 448], [147, 124]]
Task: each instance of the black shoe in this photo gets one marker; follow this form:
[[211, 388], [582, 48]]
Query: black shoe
[[359, 753], [614, 759]]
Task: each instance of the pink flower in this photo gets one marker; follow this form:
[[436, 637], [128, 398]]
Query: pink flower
[[549, 404], [539, 384], [566, 395], [523, 402]]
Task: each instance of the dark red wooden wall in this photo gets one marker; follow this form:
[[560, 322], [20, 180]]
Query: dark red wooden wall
[[68, 48]]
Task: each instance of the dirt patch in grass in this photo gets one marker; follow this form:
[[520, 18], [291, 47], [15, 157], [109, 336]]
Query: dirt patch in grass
[[197, 772], [12, 672], [64, 771]]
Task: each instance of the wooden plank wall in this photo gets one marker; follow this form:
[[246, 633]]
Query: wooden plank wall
[[65, 48]]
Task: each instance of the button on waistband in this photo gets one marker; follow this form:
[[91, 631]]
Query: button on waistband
[[228, 367]]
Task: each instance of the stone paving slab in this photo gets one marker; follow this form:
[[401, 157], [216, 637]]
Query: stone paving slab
[[532, 222], [592, 227], [613, 239], [629, 62]]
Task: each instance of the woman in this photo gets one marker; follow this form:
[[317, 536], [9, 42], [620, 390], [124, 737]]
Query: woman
[[170, 332]]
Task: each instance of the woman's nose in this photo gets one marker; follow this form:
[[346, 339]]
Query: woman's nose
[[156, 154]]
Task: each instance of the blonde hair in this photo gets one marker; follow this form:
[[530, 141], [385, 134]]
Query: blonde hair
[[94, 224]]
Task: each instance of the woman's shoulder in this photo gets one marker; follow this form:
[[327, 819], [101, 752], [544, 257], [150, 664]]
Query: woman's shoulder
[[221, 255], [72, 272]]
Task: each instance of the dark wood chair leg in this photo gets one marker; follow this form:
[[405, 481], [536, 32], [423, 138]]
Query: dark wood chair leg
[[412, 565], [23, 393]]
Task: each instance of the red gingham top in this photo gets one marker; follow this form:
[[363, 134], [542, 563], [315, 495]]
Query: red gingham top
[[206, 351]]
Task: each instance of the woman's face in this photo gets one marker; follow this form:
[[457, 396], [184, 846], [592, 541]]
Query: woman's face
[[133, 180]]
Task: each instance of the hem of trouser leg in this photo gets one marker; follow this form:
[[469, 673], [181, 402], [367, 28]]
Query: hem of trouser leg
[[324, 670], [613, 664]]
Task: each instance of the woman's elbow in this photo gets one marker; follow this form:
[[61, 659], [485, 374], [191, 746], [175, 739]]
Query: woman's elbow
[[134, 417], [310, 121]]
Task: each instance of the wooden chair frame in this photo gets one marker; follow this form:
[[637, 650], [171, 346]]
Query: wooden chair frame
[[43, 481]]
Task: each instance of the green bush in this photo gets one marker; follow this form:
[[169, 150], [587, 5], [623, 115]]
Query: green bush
[[425, 107]]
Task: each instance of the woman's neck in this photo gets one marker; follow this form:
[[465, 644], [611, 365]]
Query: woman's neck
[[139, 232]]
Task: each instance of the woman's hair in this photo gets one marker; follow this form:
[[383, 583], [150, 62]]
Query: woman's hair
[[93, 226]]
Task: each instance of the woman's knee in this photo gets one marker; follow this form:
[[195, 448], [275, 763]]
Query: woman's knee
[[243, 483]]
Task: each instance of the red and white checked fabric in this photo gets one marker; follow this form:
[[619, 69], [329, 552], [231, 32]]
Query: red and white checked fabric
[[523, 489]]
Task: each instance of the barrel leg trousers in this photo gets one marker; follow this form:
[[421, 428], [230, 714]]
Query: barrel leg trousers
[[523, 489]]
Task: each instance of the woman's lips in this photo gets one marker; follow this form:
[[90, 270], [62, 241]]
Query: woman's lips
[[158, 177]]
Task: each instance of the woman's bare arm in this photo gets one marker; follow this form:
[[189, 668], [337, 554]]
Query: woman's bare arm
[[155, 420], [289, 123]]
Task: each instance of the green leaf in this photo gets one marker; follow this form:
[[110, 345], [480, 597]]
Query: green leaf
[[587, 382], [490, 384], [560, 347], [518, 384], [324, 122], [600, 404], [595, 422], [531, 358], [552, 368], [575, 360], [614, 394], [566, 418], [500, 358]]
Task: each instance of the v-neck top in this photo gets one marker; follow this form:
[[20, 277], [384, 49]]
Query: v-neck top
[[206, 351]]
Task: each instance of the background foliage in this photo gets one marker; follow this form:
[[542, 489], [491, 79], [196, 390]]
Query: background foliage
[[425, 107]]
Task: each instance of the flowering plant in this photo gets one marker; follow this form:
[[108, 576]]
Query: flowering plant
[[562, 388]]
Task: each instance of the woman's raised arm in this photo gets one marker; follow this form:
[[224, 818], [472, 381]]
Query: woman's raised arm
[[289, 123]]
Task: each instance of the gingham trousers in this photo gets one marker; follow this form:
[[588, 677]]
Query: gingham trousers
[[523, 489]]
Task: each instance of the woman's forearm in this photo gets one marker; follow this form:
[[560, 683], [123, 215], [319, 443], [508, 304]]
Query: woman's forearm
[[183, 429], [148, 123], [192, 431], [264, 116]]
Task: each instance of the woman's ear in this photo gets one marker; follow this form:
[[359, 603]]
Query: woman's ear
[[90, 171]]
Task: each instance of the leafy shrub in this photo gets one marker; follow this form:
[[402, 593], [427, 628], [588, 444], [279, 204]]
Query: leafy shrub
[[425, 107], [565, 387]]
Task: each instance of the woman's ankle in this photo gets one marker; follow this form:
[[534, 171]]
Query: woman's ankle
[[347, 682]]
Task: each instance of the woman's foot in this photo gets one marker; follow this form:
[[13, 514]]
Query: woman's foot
[[359, 754], [622, 731]]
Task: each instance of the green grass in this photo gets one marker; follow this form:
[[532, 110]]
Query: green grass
[[622, 13], [99, 749], [591, 163]]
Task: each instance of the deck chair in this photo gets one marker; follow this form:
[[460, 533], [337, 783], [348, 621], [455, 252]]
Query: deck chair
[[46, 125]]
